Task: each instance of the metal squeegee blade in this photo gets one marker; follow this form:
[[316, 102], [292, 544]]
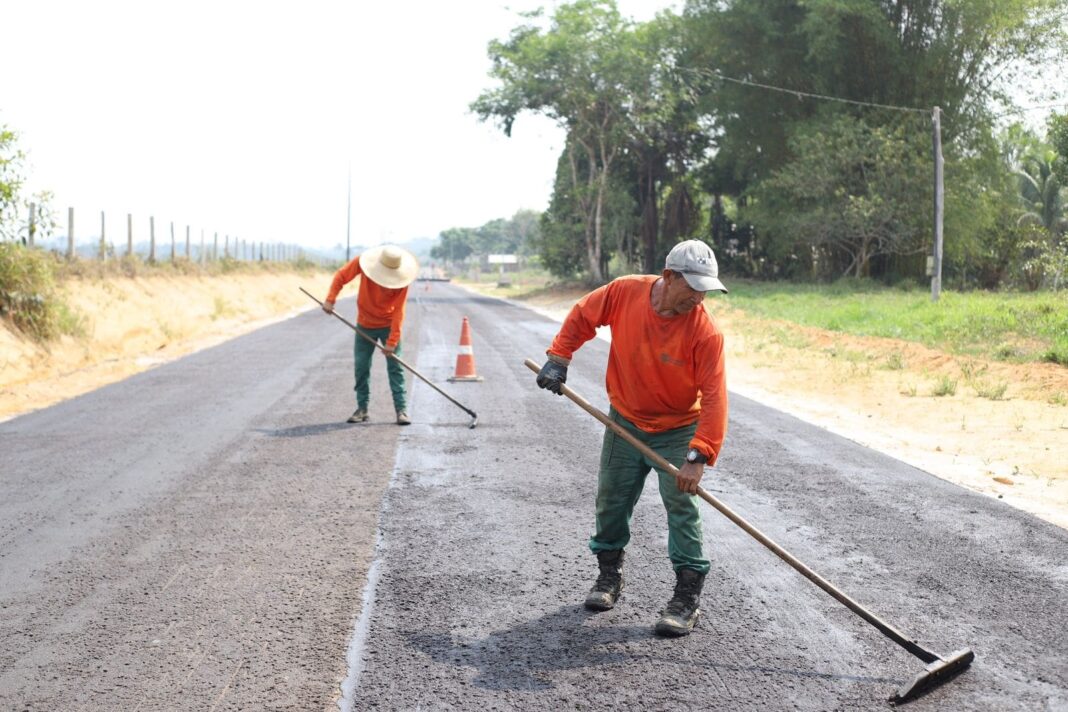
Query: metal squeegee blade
[[935, 674]]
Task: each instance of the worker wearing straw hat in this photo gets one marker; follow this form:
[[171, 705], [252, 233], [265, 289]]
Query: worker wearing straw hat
[[380, 314]]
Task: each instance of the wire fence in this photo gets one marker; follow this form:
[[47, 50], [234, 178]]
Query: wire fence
[[153, 241]]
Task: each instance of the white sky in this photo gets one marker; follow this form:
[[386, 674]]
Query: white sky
[[242, 117]]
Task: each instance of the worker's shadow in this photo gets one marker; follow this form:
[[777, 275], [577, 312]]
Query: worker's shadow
[[522, 657], [303, 431]]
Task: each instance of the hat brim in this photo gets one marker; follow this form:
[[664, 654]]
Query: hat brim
[[402, 276], [704, 283]]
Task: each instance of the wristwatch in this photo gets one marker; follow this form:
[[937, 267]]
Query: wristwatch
[[695, 455]]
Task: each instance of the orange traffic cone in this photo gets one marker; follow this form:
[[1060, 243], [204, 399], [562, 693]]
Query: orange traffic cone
[[465, 357]]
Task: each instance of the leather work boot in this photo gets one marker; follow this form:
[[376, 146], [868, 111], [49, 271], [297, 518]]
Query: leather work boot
[[360, 416], [609, 585], [402, 418], [681, 613]]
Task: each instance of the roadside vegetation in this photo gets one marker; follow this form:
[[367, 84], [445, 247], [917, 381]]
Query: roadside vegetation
[[31, 299], [1005, 326]]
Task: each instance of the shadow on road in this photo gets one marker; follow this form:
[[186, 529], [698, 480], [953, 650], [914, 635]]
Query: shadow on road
[[526, 656], [301, 431]]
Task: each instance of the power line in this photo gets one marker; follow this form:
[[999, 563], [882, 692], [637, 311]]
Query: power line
[[804, 94], [809, 95], [1032, 108]]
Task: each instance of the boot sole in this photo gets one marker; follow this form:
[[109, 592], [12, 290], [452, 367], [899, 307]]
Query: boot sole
[[671, 631], [594, 606]]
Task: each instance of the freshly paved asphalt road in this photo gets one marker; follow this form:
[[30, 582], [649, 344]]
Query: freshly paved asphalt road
[[210, 535]]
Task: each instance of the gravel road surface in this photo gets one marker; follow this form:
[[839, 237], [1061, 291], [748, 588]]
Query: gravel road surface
[[210, 535]]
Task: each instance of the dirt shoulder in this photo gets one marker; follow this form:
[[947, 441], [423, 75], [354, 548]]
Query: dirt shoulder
[[881, 393], [132, 324]]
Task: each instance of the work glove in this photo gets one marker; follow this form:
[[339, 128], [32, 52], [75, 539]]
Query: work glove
[[552, 377]]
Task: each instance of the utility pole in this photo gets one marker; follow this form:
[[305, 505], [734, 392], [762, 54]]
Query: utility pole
[[939, 195]]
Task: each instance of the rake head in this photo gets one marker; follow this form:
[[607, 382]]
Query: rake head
[[934, 674]]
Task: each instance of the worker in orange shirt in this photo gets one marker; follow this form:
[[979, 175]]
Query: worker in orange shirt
[[666, 386], [387, 272]]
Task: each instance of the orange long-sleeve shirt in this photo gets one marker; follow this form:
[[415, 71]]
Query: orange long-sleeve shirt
[[376, 306], [663, 372]]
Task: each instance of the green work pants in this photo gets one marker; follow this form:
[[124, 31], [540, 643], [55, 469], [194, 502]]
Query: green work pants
[[364, 351], [619, 485]]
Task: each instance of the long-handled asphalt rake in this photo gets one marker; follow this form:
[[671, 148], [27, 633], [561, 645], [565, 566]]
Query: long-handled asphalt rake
[[398, 359], [939, 668]]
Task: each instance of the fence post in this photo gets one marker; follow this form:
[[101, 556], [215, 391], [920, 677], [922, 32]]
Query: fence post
[[129, 234], [70, 233], [31, 229], [187, 242], [226, 246], [151, 239], [201, 245], [103, 245], [172, 242]]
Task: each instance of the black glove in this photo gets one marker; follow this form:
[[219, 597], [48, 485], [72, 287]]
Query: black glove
[[552, 376]]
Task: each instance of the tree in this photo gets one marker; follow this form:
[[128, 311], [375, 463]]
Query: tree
[[666, 138], [906, 53], [456, 244], [847, 195], [575, 72], [11, 179], [1058, 136], [1041, 193], [516, 235]]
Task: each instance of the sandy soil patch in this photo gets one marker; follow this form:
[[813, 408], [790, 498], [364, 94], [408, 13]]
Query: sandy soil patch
[[1003, 431], [132, 324]]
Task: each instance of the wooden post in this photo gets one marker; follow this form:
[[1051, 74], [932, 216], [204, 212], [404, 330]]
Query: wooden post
[[129, 234], [215, 248], [172, 241], [939, 195], [31, 229], [103, 245], [201, 245], [226, 247], [151, 239], [187, 242], [70, 233]]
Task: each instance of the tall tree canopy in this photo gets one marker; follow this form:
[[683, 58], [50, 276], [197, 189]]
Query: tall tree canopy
[[578, 72]]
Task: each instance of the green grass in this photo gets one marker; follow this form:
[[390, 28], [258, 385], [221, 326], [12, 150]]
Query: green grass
[[944, 386], [1006, 326], [991, 391]]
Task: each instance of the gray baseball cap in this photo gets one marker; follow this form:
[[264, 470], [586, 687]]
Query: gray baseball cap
[[697, 263]]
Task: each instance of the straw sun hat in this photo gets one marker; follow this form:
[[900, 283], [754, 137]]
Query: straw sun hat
[[389, 266]]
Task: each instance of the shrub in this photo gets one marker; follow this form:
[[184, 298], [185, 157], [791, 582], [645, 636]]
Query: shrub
[[28, 294], [945, 386]]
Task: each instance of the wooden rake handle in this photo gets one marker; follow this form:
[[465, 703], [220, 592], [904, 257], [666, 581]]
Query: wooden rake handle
[[885, 628]]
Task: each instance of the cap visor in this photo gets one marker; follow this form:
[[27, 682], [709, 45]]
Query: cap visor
[[703, 283]]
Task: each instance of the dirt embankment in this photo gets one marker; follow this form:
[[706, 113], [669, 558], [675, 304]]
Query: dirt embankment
[[131, 324], [996, 428]]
